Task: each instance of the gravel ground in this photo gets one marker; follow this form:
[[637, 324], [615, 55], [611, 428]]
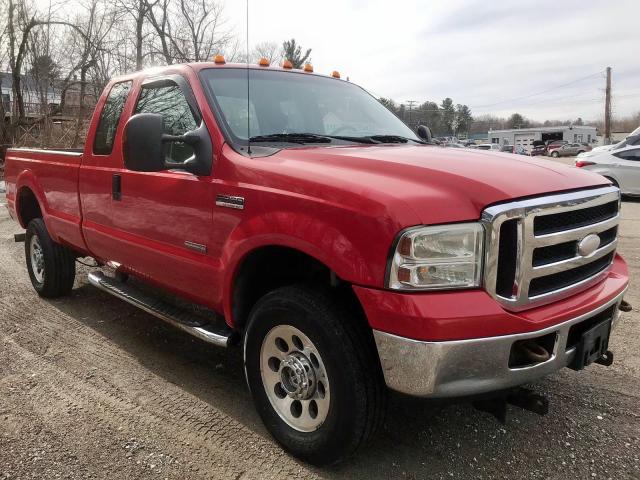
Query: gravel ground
[[91, 387]]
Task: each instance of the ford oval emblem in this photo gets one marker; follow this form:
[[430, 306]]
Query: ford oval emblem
[[588, 245]]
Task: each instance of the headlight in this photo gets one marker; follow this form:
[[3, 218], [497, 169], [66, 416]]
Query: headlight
[[438, 258]]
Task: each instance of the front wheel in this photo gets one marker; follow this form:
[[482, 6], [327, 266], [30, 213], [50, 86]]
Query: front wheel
[[313, 374], [51, 266], [555, 154]]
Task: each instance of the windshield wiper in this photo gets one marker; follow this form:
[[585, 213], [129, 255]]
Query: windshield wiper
[[303, 138], [392, 139], [291, 138]]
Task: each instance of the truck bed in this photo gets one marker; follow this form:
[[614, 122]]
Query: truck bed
[[52, 177]]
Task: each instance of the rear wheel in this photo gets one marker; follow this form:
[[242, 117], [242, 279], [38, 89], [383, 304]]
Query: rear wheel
[[555, 154], [313, 373], [51, 266]]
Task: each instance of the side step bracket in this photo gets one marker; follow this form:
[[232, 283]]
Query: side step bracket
[[221, 336]]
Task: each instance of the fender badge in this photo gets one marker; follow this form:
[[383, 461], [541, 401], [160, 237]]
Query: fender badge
[[230, 201]]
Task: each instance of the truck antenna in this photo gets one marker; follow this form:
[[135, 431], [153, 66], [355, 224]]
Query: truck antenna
[[248, 102]]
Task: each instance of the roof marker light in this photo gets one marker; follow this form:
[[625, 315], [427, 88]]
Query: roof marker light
[[335, 74], [264, 62], [219, 59], [287, 64], [308, 67]]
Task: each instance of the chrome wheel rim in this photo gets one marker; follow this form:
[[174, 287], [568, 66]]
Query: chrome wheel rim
[[37, 259], [294, 378]]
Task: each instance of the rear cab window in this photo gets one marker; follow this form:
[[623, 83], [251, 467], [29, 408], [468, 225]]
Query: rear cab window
[[110, 118]]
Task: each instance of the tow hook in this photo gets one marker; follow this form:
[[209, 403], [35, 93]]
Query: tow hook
[[625, 306], [519, 397], [606, 359], [19, 237]]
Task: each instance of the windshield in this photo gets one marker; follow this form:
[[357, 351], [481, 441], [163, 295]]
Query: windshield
[[293, 103]]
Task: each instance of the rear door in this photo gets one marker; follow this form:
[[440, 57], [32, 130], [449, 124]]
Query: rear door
[[164, 218], [101, 169], [628, 170]]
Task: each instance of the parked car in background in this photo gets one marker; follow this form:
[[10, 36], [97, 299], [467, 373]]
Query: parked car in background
[[489, 146], [570, 150], [602, 148], [554, 144], [538, 148], [516, 149], [453, 145], [633, 139], [621, 167]]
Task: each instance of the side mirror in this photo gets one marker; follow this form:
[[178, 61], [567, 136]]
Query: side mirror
[[145, 146], [424, 133]]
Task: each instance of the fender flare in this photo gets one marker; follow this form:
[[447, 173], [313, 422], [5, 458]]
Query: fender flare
[[27, 179], [331, 248]]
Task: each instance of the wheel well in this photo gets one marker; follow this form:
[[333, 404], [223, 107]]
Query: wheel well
[[268, 268], [28, 206], [615, 184]]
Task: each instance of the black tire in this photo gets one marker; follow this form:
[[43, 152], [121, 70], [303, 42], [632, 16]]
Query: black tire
[[346, 345], [59, 271], [555, 154]]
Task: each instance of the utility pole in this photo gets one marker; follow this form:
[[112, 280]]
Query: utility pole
[[607, 109], [410, 103]]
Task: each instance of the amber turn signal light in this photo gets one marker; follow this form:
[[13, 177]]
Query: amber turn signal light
[[263, 62], [308, 67], [335, 74], [219, 59], [287, 64]]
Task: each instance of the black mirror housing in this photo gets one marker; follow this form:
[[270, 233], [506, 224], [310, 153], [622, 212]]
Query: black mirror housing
[[424, 133], [143, 150], [144, 146]]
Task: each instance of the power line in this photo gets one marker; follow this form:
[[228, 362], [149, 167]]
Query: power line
[[537, 93]]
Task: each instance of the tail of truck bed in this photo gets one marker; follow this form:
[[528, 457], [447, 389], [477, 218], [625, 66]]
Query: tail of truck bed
[[45, 183]]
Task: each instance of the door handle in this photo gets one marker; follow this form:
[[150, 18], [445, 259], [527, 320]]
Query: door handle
[[116, 187]]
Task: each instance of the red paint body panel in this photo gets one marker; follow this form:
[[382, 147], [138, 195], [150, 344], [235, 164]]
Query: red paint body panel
[[469, 314], [53, 178], [343, 206]]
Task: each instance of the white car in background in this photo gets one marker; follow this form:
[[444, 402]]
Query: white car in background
[[621, 166], [632, 139], [489, 146]]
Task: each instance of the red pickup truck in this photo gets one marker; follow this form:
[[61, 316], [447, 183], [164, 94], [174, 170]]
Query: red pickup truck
[[344, 253]]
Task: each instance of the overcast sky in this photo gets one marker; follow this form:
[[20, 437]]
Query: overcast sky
[[495, 56]]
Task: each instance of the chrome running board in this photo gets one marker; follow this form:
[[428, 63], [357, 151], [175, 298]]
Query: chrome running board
[[213, 334]]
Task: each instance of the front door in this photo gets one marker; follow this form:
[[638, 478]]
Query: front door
[[164, 218]]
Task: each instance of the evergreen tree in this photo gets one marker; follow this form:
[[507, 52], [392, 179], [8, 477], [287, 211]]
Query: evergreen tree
[[293, 52]]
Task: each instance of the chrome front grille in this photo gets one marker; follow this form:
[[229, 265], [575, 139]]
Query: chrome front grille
[[533, 255]]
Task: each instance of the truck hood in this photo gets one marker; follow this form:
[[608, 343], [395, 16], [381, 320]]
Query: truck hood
[[440, 185]]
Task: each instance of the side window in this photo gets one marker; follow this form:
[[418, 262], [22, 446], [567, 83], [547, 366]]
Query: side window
[[168, 100], [629, 154], [109, 118]]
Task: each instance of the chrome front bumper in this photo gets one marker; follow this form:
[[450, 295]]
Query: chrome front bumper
[[470, 367]]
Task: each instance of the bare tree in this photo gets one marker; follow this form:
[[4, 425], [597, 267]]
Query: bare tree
[[199, 30], [22, 19], [269, 50]]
